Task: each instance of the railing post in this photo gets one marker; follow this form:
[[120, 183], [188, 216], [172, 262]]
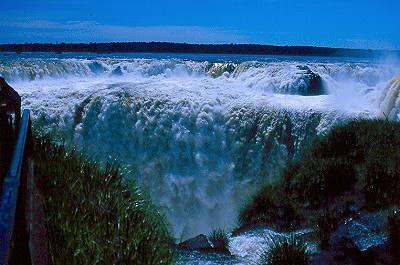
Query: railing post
[[10, 116], [11, 100]]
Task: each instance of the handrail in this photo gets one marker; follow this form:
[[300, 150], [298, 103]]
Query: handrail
[[11, 185]]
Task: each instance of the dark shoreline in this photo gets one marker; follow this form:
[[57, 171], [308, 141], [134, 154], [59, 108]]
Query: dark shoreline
[[166, 47]]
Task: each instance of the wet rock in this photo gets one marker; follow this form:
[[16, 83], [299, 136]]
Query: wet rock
[[367, 231], [379, 255], [303, 82], [358, 241], [310, 83], [342, 251], [199, 243], [96, 68], [346, 252], [315, 84], [219, 69], [117, 71], [220, 247], [375, 222]]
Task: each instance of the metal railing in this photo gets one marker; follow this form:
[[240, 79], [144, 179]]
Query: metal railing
[[23, 238], [13, 190]]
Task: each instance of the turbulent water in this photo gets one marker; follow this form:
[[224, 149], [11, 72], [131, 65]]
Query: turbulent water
[[199, 133]]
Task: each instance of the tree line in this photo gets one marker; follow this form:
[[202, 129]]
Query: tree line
[[167, 47]]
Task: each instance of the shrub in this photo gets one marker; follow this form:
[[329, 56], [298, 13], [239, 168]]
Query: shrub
[[362, 152], [380, 183], [393, 227], [92, 216], [271, 206], [285, 251], [319, 180], [360, 158]]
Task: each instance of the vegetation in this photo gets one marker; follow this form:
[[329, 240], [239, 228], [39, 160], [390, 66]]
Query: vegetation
[[355, 165], [93, 217], [271, 206], [220, 240], [187, 48], [394, 232], [285, 251]]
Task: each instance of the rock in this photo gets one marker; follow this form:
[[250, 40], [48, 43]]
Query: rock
[[199, 243], [96, 68], [315, 85], [303, 82], [219, 69], [375, 222], [358, 241], [378, 255], [220, 247], [117, 71], [202, 244], [312, 83], [344, 251], [365, 232]]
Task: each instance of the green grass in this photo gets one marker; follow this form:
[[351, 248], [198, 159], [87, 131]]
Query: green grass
[[93, 216], [285, 251], [219, 239], [356, 163]]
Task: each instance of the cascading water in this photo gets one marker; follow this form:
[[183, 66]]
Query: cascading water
[[199, 136], [390, 100]]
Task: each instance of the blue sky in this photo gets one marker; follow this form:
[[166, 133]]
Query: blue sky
[[340, 23]]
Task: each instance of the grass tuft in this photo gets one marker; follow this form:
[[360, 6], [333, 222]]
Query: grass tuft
[[93, 216], [285, 251], [219, 239]]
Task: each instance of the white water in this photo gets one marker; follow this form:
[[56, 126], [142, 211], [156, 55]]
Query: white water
[[245, 248], [200, 137]]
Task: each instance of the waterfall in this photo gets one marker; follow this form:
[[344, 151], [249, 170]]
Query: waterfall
[[390, 100], [200, 137]]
